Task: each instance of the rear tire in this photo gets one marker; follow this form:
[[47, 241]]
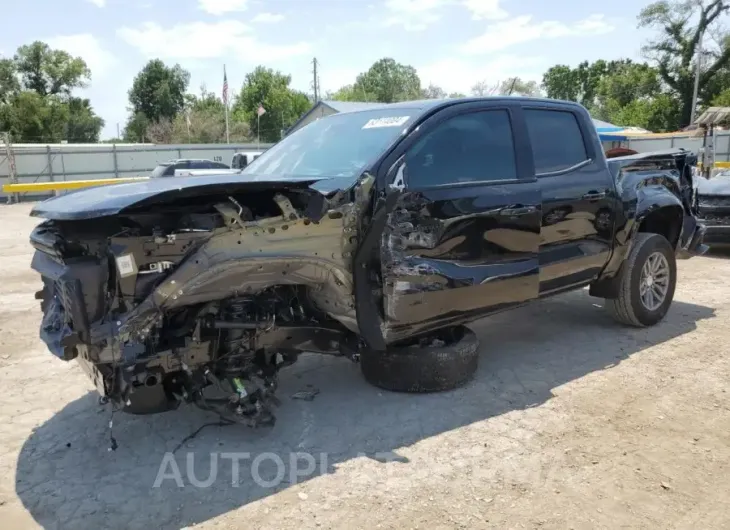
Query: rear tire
[[422, 369], [648, 280]]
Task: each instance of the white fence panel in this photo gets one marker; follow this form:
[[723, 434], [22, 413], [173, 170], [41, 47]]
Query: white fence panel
[[44, 163]]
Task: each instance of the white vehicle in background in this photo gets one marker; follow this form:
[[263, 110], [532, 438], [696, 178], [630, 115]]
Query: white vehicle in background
[[201, 172], [243, 159], [188, 166]]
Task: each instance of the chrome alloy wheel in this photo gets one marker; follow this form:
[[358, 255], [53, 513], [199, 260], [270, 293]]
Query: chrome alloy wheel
[[654, 283]]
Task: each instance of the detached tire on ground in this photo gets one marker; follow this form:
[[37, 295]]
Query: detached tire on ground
[[647, 283], [433, 368]]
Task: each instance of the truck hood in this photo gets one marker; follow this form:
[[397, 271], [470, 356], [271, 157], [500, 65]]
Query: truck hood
[[102, 201], [717, 185]]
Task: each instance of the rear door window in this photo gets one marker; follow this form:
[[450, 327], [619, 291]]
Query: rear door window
[[556, 138]]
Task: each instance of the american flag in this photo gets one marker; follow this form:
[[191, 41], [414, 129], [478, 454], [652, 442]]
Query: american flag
[[225, 86]]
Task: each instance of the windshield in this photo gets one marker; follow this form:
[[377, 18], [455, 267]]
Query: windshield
[[159, 170], [341, 145]]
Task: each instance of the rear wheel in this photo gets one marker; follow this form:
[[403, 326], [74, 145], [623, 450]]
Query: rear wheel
[[442, 362], [647, 282]]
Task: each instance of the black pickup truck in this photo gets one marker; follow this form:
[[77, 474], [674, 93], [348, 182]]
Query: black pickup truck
[[375, 235]]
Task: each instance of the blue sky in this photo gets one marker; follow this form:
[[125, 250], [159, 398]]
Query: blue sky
[[452, 43]]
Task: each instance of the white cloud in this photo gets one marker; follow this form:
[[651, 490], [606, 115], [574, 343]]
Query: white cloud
[[87, 47], [412, 15], [459, 75], [98, 3], [334, 79], [268, 18], [200, 40], [523, 29], [485, 9], [219, 7]]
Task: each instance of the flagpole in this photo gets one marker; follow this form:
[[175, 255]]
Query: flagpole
[[228, 139], [259, 112], [225, 102]]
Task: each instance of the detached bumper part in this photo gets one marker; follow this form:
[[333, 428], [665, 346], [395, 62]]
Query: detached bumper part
[[692, 238]]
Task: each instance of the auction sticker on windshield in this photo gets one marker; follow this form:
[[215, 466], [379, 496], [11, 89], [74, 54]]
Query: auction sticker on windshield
[[392, 121]]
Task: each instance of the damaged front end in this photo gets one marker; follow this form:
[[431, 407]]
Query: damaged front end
[[199, 294]]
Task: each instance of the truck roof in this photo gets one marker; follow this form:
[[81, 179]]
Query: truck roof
[[419, 108], [429, 105]]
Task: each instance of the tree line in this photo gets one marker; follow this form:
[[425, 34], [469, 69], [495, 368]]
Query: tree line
[[36, 97], [37, 88]]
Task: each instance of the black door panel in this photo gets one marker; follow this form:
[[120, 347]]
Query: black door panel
[[576, 232], [579, 200], [463, 237], [452, 255]]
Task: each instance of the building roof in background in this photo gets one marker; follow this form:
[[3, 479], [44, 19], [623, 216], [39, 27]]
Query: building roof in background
[[604, 126], [714, 116], [337, 106], [350, 106]]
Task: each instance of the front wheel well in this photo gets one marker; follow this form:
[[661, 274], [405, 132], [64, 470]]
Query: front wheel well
[[665, 221]]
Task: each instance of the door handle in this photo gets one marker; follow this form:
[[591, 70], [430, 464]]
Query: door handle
[[516, 212], [594, 195]]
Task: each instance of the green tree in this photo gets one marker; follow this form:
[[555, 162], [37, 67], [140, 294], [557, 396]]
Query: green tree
[[206, 101], [580, 83], [483, 88], [722, 99], [680, 26], [158, 92], [388, 81], [433, 92], [9, 83], [83, 125], [36, 102], [50, 72], [30, 117], [198, 126], [518, 87], [561, 82], [632, 94], [202, 122], [135, 131], [455, 95], [626, 82], [269, 89], [348, 93], [620, 91]]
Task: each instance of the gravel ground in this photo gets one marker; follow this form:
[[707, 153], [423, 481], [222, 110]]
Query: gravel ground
[[571, 422]]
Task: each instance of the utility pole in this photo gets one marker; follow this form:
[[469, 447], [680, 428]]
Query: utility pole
[[118, 130], [697, 80], [315, 81], [12, 175]]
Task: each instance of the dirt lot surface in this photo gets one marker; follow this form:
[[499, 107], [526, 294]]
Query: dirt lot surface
[[571, 422]]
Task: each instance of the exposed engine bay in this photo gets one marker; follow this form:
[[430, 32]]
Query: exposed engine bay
[[201, 301]]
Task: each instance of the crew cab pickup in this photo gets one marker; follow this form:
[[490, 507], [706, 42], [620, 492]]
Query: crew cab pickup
[[375, 234]]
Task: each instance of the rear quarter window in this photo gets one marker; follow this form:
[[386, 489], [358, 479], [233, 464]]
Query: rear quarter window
[[556, 138]]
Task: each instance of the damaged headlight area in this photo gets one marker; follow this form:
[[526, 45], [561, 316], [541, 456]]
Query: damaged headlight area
[[202, 301]]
